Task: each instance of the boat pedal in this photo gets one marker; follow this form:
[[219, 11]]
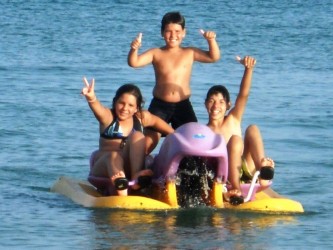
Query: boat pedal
[[236, 200], [267, 173], [121, 183]]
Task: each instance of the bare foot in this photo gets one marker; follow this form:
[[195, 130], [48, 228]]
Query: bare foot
[[145, 172], [266, 162], [121, 174]]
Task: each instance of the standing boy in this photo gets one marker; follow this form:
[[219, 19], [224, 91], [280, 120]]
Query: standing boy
[[173, 67]]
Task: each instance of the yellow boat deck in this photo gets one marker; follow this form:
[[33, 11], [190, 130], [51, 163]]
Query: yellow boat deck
[[83, 193]]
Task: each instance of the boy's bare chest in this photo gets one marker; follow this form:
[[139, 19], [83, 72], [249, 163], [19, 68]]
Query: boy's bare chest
[[175, 59]]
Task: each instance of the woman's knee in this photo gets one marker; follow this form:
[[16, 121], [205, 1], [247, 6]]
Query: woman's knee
[[104, 163], [137, 136]]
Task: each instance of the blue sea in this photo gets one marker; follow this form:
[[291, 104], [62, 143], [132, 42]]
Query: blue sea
[[47, 129]]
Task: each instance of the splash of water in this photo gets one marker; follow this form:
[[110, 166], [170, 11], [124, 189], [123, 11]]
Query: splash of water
[[194, 181]]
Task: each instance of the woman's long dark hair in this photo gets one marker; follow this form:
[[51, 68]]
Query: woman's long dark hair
[[129, 89]]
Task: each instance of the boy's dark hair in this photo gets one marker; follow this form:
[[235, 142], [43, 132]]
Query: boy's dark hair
[[218, 89], [172, 17]]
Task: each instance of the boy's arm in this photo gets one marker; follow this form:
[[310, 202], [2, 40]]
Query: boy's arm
[[134, 59], [245, 86], [213, 54]]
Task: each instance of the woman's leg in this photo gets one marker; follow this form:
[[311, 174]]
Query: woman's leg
[[134, 155], [109, 165]]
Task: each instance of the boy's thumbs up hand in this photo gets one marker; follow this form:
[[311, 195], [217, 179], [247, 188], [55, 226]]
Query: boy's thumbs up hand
[[139, 37], [248, 61], [209, 35], [136, 44]]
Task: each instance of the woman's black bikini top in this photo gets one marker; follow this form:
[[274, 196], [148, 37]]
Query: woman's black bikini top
[[114, 131]]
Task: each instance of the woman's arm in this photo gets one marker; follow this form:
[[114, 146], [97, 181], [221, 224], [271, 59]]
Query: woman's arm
[[102, 114]]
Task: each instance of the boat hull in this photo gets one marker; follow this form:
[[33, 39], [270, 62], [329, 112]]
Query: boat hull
[[83, 193], [191, 169]]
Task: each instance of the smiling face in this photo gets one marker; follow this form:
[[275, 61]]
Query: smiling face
[[126, 106], [173, 35], [216, 106]]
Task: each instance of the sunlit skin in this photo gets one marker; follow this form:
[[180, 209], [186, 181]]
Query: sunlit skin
[[173, 63], [219, 121], [217, 107], [173, 35], [172, 66], [115, 158], [228, 124], [125, 108]]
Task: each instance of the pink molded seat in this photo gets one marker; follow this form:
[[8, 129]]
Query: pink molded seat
[[191, 139]]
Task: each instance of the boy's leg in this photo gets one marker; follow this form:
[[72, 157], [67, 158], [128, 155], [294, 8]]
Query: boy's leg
[[235, 150], [253, 148], [254, 152], [163, 110], [152, 139], [184, 113]]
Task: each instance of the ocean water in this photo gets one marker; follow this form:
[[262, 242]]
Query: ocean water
[[47, 130]]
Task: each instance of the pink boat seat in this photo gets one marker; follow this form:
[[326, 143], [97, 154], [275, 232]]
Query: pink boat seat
[[191, 139]]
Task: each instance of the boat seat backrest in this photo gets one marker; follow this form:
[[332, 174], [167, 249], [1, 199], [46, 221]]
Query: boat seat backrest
[[191, 139]]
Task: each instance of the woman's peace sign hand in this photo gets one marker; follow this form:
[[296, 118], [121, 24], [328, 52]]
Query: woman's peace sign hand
[[89, 90]]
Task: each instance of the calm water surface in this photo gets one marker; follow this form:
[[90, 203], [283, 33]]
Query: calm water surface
[[47, 130]]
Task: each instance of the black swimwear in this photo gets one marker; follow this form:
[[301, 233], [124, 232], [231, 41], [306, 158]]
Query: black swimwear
[[113, 131], [177, 113]]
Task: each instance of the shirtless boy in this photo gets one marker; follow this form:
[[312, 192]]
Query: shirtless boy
[[173, 66], [249, 154]]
